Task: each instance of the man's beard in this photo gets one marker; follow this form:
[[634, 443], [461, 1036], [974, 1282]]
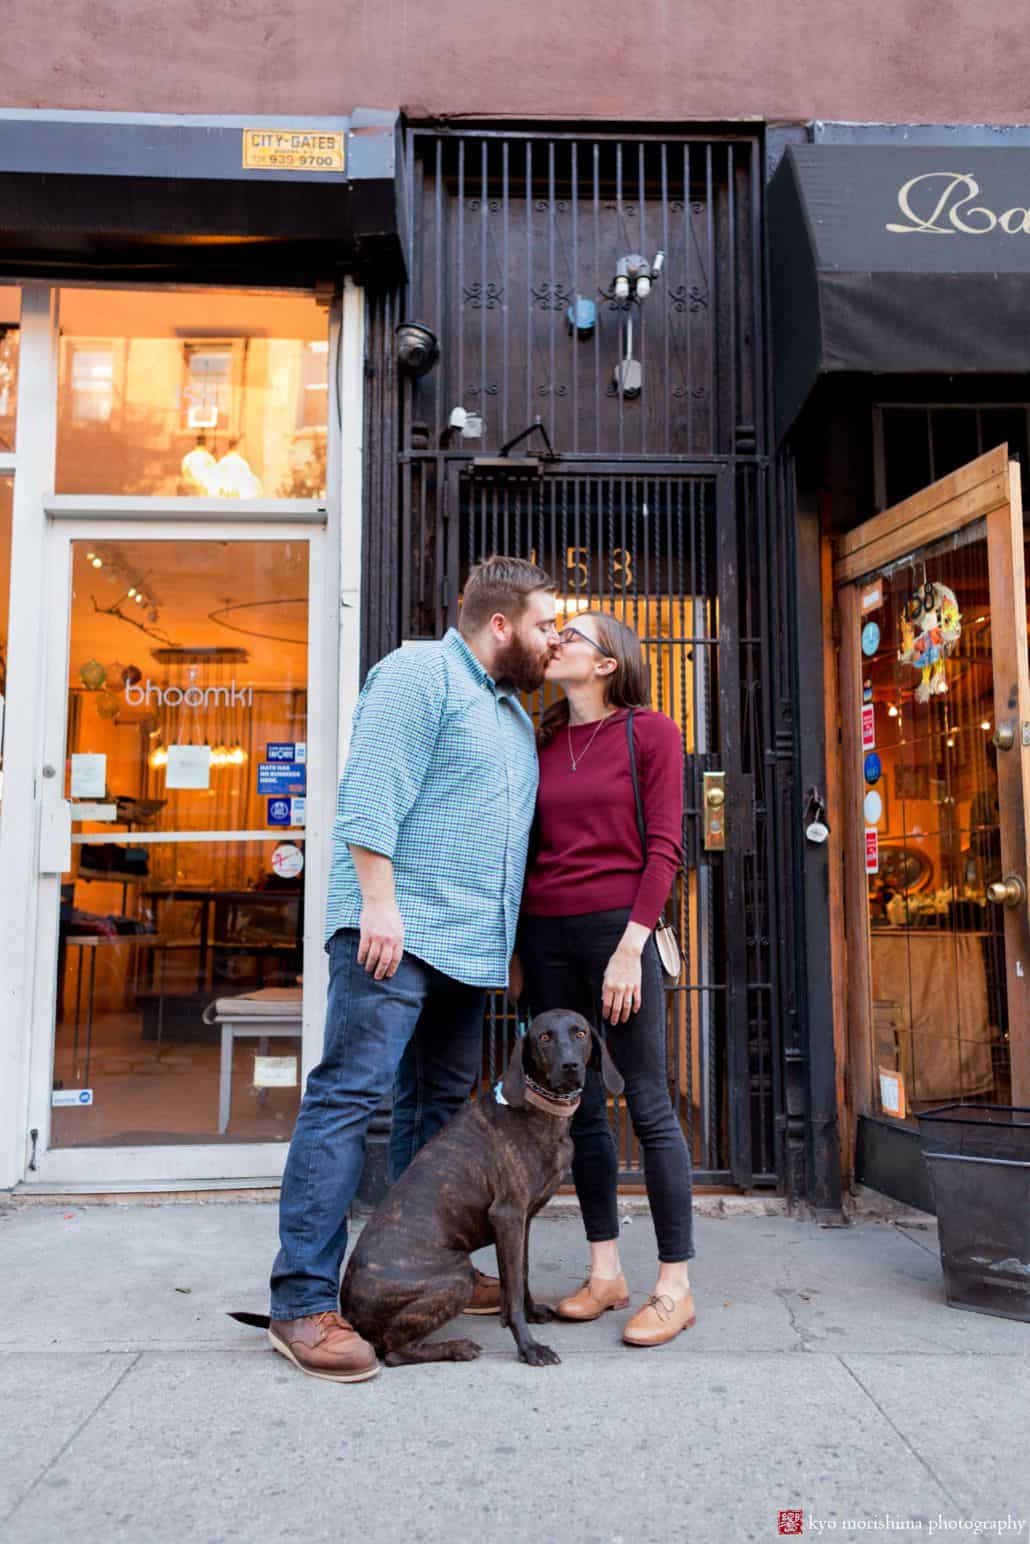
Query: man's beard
[[516, 666]]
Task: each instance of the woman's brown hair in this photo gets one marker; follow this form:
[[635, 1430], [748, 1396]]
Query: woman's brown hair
[[628, 686]]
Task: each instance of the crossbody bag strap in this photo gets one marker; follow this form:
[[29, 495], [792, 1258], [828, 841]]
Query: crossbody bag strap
[[641, 828]]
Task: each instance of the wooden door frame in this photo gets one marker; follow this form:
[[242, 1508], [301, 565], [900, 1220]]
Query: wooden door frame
[[985, 489]]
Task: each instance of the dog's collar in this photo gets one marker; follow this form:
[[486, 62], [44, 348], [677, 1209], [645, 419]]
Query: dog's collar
[[564, 1106]]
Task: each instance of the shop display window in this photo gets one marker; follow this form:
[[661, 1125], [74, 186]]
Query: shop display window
[[186, 768], [6, 494], [937, 960], [210, 393]]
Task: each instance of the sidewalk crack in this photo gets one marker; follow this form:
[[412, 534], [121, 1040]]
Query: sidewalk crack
[[786, 1294], [67, 1444], [901, 1435]]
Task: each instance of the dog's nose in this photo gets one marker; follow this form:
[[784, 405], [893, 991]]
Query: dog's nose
[[570, 1066]]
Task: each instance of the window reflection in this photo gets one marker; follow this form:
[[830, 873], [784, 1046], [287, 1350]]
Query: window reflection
[[6, 494], [218, 394], [10, 313]]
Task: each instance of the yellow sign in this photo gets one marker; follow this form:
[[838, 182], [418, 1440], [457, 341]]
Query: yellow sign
[[292, 150]]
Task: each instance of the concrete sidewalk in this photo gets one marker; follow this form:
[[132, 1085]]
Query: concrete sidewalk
[[825, 1374]]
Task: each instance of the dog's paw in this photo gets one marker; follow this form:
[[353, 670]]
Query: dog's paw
[[540, 1313], [464, 1350], [536, 1355]]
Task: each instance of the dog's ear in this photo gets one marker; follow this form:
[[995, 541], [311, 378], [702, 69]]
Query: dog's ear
[[514, 1085], [603, 1062]]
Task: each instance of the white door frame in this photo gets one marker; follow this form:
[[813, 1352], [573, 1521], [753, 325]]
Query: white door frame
[[182, 1161], [27, 978]]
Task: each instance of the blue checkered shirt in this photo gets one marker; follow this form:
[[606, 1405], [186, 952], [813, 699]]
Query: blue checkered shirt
[[441, 777]]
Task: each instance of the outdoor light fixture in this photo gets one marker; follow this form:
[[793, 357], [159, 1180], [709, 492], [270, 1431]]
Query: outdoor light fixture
[[417, 348], [634, 276]]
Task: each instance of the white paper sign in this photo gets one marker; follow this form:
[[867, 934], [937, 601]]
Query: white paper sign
[[287, 861], [89, 775], [189, 766], [94, 811], [275, 1072]]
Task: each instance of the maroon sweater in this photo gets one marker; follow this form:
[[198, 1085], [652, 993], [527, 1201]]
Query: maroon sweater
[[588, 854]]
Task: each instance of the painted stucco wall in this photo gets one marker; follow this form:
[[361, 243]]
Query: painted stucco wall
[[865, 60]]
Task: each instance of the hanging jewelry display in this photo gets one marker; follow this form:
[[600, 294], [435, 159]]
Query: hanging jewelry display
[[931, 626]]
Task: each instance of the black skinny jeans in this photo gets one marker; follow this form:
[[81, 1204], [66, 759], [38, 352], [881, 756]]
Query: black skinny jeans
[[564, 960]]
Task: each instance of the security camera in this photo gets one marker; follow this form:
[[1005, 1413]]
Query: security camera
[[417, 348]]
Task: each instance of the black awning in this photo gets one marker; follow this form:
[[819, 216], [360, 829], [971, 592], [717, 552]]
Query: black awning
[[897, 259], [162, 196]]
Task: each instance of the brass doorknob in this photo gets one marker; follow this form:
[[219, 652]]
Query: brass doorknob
[[715, 796], [1004, 737], [1010, 891]]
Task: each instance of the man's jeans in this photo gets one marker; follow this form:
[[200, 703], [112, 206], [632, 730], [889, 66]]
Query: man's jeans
[[420, 1026]]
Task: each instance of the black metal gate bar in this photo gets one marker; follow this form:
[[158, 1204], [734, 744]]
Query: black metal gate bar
[[508, 227]]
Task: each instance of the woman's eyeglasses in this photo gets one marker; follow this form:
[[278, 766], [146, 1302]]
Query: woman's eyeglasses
[[567, 634]]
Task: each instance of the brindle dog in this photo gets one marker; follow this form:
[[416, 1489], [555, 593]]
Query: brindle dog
[[480, 1180]]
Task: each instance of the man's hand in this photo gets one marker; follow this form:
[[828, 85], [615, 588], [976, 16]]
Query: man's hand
[[382, 938], [382, 932]]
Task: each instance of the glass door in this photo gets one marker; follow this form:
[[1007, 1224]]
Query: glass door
[[177, 887], [936, 737]]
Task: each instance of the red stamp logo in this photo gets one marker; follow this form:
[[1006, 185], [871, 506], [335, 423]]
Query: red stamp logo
[[791, 1522]]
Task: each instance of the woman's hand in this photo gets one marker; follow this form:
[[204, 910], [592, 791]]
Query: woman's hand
[[620, 991], [516, 980]]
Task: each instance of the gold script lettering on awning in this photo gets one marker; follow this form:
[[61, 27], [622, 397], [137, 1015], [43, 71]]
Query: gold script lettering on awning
[[951, 215]]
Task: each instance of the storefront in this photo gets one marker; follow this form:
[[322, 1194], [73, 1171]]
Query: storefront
[[231, 496], [901, 287], [181, 417]]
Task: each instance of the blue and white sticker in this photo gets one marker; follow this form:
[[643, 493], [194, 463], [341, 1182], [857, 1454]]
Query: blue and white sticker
[[293, 751], [282, 777], [278, 812], [62, 1097], [873, 768], [870, 638]]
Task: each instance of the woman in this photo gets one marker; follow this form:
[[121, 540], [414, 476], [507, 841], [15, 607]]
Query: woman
[[585, 942]]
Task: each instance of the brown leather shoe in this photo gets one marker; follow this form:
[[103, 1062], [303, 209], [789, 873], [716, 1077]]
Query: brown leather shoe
[[325, 1346], [661, 1319], [486, 1295], [595, 1297]]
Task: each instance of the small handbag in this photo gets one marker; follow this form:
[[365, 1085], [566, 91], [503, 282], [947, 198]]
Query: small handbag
[[665, 939]]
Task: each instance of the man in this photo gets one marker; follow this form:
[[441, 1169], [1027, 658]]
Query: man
[[429, 850]]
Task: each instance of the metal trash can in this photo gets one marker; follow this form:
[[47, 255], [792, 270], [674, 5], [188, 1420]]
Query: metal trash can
[[978, 1157]]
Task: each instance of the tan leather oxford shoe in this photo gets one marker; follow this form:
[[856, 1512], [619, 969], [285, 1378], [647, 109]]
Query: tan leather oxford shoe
[[594, 1298], [661, 1319]]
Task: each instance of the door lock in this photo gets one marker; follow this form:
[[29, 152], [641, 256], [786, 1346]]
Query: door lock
[[1010, 891], [715, 811], [1004, 737]]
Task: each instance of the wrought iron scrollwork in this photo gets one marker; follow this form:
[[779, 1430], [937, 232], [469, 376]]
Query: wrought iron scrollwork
[[689, 298], [551, 297], [483, 297]]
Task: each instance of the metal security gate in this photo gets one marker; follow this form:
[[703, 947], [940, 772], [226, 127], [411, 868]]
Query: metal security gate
[[644, 492], [659, 552]]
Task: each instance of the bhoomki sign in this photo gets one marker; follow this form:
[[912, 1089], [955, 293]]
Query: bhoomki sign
[[146, 694]]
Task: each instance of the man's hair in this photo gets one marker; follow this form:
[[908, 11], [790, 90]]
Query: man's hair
[[500, 584]]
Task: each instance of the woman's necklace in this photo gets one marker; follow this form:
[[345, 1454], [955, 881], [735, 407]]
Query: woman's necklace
[[574, 760]]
